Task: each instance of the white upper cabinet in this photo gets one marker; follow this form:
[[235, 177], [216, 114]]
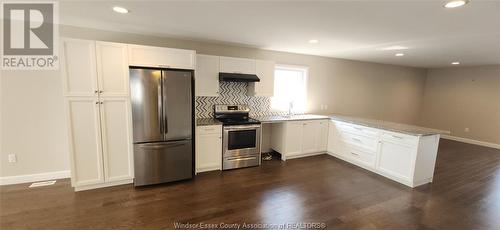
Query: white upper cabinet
[[79, 69], [207, 75], [150, 56], [112, 69], [265, 72], [237, 65]]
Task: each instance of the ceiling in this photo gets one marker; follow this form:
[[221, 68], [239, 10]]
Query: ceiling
[[357, 30]]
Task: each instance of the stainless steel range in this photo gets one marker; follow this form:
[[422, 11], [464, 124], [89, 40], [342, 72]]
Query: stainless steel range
[[240, 138]]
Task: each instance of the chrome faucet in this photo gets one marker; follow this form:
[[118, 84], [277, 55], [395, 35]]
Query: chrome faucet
[[290, 108]]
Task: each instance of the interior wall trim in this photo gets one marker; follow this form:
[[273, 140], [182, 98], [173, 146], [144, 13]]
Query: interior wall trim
[[29, 178], [471, 141]]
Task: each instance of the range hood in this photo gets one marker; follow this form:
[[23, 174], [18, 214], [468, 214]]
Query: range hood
[[238, 77]]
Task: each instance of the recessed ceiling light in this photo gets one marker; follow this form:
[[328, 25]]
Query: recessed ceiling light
[[394, 48], [120, 10], [455, 63], [313, 41], [455, 3], [399, 54]]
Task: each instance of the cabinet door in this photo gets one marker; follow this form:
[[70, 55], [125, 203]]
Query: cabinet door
[[207, 75], [309, 137], [208, 152], [322, 135], [332, 135], [265, 72], [150, 56], [116, 138], [293, 142], [396, 160], [79, 70], [112, 69], [237, 65], [85, 141]]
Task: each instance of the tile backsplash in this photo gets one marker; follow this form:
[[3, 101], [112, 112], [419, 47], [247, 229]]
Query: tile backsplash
[[234, 93]]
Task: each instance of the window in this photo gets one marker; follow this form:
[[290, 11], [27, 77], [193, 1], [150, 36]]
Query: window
[[289, 88]]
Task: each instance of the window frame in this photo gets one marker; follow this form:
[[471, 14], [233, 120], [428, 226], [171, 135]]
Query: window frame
[[305, 70]]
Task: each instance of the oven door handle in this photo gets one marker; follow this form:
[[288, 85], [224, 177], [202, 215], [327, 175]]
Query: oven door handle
[[240, 159], [241, 127]]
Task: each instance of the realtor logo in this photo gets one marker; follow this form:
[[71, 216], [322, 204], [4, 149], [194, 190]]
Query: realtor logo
[[30, 34]]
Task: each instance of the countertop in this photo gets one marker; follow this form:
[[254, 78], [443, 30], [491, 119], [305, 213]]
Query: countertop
[[378, 124], [207, 121], [391, 126], [275, 119]]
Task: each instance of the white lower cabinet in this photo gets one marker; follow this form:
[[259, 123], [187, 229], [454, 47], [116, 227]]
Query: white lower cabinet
[[396, 159], [294, 139], [85, 141], [407, 159], [208, 148], [100, 141], [116, 138]]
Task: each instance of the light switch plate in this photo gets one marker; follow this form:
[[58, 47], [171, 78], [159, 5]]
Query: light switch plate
[[12, 158]]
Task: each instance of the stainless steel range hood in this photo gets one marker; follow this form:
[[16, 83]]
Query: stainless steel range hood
[[238, 77]]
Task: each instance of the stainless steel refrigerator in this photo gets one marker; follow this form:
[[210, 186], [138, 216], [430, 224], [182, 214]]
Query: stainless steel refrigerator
[[162, 114]]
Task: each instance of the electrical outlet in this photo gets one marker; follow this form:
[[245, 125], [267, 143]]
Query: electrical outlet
[[12, 158], [326, 107], [466, 130]]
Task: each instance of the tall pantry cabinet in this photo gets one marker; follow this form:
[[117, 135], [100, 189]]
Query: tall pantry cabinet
[[96, 90]]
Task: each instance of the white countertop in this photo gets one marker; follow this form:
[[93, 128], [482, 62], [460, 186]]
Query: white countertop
[[391, 126], [379, 124]]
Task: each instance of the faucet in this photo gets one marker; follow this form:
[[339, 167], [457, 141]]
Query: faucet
[[290, 108]]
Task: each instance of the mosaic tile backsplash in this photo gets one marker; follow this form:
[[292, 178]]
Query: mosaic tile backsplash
[[234, 93]]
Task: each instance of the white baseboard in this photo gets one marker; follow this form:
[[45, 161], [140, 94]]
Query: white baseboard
[[34, 177], [103, 185], [208, 168], [471, 141]]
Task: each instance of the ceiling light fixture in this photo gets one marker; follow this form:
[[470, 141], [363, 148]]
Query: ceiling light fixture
[[455, 63], [399, 54], [119, 9], [313, 41], [394, 48], [455, 3]]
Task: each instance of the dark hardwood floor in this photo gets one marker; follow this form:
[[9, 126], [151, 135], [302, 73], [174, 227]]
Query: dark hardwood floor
[[465, 194]]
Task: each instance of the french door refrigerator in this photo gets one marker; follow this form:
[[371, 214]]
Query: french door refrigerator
[[162, 114]]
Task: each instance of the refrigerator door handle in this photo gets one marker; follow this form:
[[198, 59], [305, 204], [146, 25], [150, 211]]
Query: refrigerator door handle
[[160, 107], [164, 110], [165, 144]]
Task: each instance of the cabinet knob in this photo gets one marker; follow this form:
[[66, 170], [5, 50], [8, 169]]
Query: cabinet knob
[[95, 91], [100, 91], [102, 102], [96, 102]]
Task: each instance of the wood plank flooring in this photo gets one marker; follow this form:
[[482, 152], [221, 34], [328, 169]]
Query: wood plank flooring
[[465, 194]]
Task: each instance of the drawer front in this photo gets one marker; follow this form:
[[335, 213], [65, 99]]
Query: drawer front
[[209, 129], [400, 138], [367, 143], [360, 156], [357, 129]]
